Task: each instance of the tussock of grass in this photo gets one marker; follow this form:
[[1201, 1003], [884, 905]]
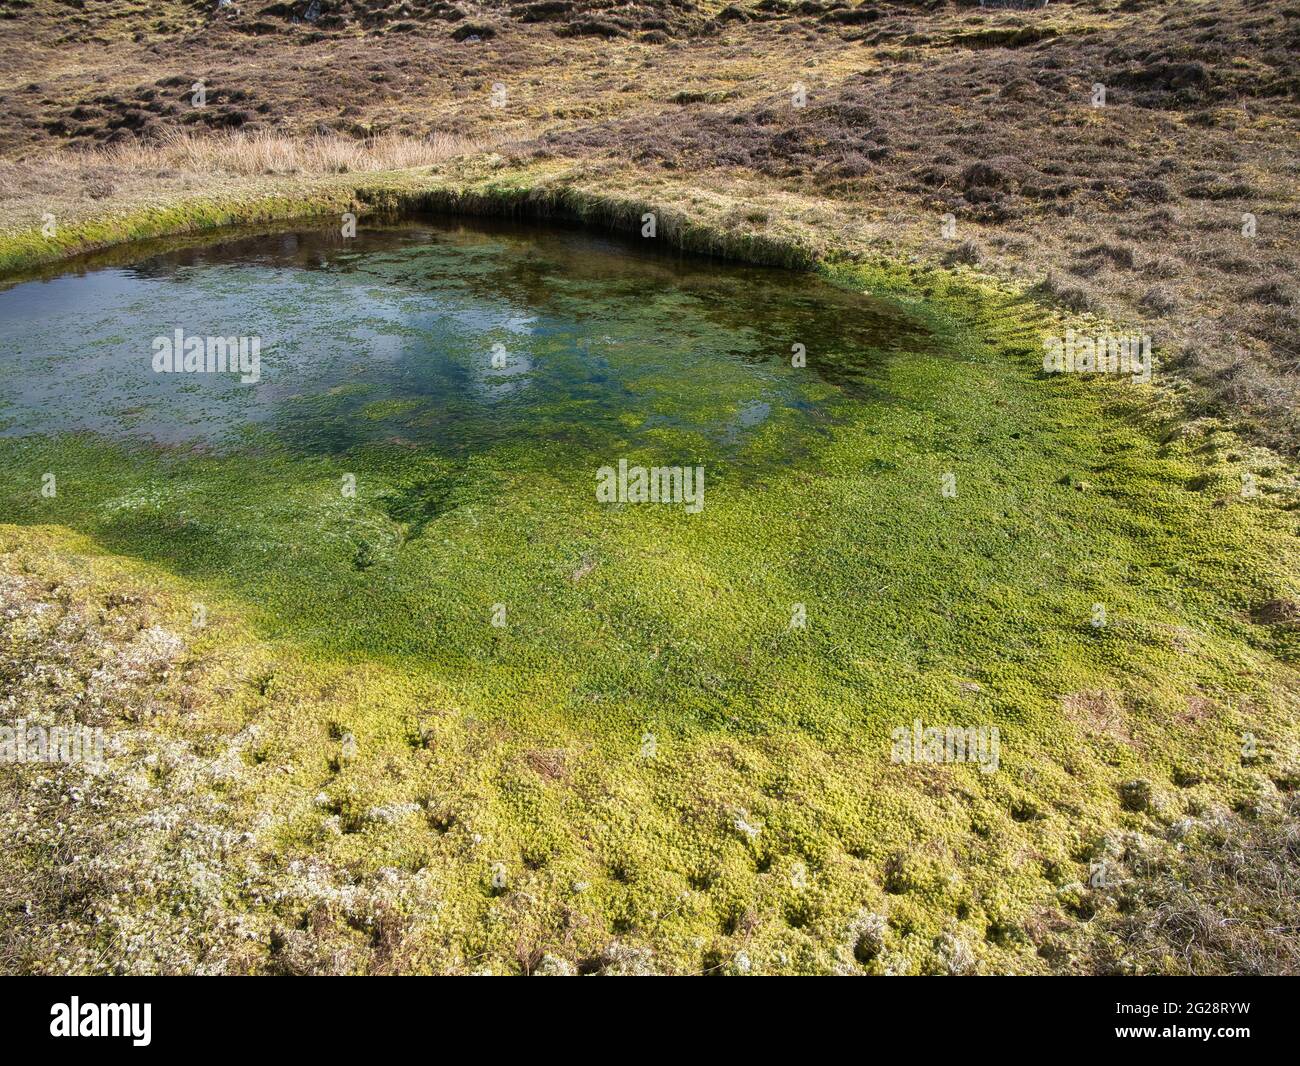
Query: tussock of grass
[[250, 153], [1214, 895]]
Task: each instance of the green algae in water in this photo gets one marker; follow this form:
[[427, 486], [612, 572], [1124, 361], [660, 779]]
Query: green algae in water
[[468, 381], [441, 339]]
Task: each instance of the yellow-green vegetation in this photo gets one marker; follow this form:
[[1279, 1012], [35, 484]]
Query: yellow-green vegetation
[[647, 767]]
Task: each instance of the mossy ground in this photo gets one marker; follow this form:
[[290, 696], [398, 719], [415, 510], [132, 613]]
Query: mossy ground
[[769, 816]]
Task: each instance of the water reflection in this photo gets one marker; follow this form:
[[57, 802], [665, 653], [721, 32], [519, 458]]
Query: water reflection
[[441, 335]]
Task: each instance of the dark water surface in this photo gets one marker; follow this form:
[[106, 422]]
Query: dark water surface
[[443, 336]]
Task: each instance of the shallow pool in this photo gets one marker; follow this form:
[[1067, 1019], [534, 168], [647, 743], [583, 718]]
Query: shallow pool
[[436, 335]]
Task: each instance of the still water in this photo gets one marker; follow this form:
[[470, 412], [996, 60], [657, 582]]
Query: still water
[[438, 336]]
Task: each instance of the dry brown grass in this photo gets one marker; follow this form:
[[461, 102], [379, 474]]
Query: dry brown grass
[[1224, 903], [77, 183], [261, 152]]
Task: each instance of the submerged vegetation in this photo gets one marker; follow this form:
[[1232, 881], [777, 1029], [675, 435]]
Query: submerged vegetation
[[332, 751]]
